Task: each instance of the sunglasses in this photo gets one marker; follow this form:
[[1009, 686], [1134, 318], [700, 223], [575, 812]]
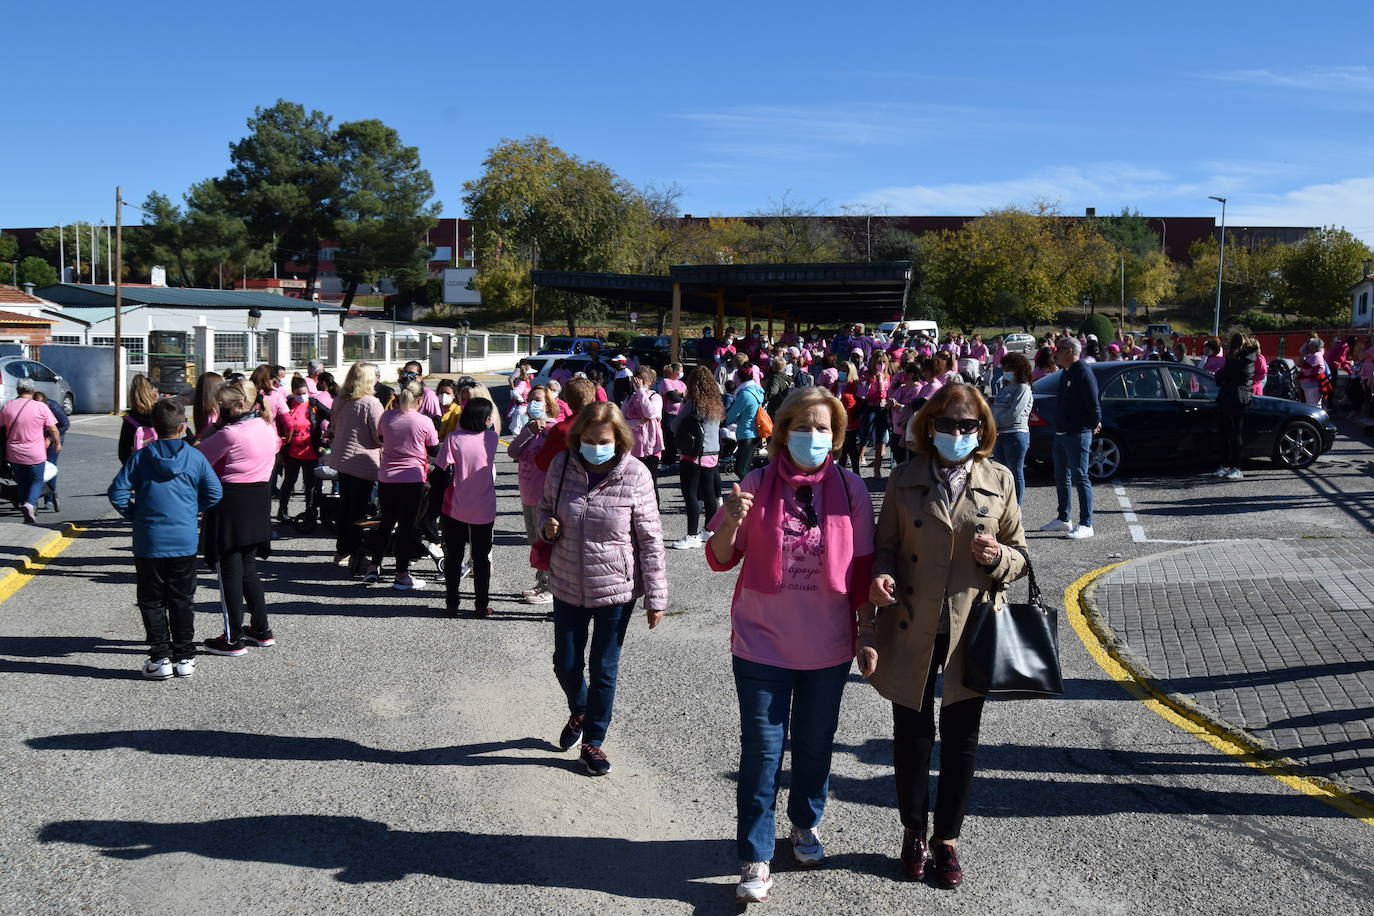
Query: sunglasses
[[948, 425], [808, 504]]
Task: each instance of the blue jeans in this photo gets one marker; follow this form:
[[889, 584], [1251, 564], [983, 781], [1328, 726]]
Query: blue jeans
[[768, 698], [1071, 467], [1010, 450], [591, 700], [29, 478]]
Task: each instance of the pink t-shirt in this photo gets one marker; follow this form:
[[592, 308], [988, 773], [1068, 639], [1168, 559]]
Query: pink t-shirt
[[429, 403], [25, 420], [472, 496], [805, 626], [243, 452], [276, 399], [405, 437], [666, 385]]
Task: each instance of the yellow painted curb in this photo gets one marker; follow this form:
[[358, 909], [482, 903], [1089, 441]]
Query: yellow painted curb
[[12, 580], [1098, 640]]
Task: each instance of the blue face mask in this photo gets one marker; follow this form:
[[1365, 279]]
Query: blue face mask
[[597, 454], [810, 448], [954, 448], [536, 410]]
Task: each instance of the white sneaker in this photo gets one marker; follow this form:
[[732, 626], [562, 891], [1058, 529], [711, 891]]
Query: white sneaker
[[1080, 532], [465, 571], [406, 583], [755, 881], [184, 668], [158, 669], [806, 846], [690, 542], [1056, 525], [1235, 474], [538, 598], [435, 551], [1220, 472]]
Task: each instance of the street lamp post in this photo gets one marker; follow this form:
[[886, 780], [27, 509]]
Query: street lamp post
[[463, 360], [254, 317], [1163, 236], [1221, 262]]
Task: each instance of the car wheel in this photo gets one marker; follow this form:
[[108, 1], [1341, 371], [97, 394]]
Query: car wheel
[[68, 404], [1298, 445], [1104, 457]]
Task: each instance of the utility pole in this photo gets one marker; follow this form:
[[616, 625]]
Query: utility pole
[[1123, 287], [119, 296], [1221, 263], [76, 231], [61, 253], [95, 256], [534, 262], [109, 269]]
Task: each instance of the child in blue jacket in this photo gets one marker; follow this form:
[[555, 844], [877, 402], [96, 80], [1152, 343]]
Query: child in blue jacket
[[163, 489]]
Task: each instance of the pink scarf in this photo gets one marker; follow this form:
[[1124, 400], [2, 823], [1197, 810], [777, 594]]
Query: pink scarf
[[763, 560]]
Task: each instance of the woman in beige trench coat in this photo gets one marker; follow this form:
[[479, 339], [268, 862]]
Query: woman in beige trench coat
[[949, 531]]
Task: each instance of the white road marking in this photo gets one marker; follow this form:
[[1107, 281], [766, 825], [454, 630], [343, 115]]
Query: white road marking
[[1140, 537]]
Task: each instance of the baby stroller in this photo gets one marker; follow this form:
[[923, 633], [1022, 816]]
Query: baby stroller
[[971, 371], [423, 535], [1282, 381]]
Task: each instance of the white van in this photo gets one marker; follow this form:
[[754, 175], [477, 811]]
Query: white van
[[910, 326]]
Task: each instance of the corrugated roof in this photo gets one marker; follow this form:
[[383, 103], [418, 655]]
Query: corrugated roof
[[79, 295]]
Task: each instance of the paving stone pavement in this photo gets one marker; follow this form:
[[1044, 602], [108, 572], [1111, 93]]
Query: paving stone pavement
[[1275, 638]]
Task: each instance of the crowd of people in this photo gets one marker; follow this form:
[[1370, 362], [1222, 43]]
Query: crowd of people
[[404, 471], [821, 582]]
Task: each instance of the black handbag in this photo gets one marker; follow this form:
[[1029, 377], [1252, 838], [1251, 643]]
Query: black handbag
[[1013, 649]]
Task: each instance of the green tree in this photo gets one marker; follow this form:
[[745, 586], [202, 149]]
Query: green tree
[[791, 232], [203, 246], [37, 271], [534, 203], [77, 239], [285, 181], [9, 248], [1318, 272], [1130, 231], [384, 209], [1253, 279]]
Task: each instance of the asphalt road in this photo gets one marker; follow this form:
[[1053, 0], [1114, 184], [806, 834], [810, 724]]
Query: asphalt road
[[384, 757]]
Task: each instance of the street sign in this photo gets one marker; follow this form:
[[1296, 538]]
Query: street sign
[[634, 316]]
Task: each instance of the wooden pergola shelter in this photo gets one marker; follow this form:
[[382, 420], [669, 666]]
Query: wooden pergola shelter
[[827, 294]]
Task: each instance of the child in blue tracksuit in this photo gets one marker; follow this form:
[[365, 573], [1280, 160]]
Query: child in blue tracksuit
[[163, 489]]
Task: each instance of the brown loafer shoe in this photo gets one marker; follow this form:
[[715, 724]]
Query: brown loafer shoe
[[915, 854], [945, 870]]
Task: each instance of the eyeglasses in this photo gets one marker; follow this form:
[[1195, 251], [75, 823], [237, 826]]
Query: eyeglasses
[[808, 503], [949, 425]]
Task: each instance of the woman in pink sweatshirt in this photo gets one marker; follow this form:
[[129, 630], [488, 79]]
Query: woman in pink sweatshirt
[[804, 528], [644, 413], [543, 413], [238, 531], [470, 504]]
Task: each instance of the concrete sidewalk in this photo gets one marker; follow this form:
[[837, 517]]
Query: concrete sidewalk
[[1273, 640]]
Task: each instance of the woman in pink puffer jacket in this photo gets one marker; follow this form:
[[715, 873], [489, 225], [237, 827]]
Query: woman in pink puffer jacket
[[600, 515]]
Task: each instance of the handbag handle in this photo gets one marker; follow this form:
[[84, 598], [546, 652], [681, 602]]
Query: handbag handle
[[1035, 597]]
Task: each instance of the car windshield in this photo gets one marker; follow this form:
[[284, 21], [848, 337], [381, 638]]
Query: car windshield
[[558, 343]]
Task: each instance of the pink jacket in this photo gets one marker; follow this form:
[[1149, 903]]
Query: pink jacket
[[523, 448], [610, 546], [644, 411]]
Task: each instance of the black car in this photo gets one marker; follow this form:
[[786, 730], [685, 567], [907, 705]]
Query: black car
[[1158, 413], [652, 351]]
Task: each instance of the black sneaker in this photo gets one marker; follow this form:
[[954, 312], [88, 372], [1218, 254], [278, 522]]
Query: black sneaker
[[220, 645], [595, 760], [260, 640], [571, 733]]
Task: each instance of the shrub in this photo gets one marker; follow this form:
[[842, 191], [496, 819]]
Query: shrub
[[1100, 325]]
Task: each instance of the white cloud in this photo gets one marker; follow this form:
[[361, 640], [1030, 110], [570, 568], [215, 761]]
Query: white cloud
[[1107, 186], [850, 125], [1324, 79], [1348, 203]]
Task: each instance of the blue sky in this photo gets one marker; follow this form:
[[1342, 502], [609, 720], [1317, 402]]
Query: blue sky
[[914, 107]]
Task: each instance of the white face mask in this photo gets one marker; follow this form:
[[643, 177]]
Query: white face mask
[[446, 399]]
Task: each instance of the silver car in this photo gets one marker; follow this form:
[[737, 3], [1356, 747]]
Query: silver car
[[13, 368], [1020, 343]]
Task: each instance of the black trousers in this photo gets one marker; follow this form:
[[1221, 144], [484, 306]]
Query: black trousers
[[456, 537], [239, 585], [669, 441], [166, 595], [304, 469], [745, 450], [400, 507], [699, 485], [1232, 420], [355, 494], [651, 462], [913, 739], [850, 450]]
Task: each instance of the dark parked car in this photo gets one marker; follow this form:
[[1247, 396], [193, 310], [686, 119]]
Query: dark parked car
[[652, 351], [1157, 413]]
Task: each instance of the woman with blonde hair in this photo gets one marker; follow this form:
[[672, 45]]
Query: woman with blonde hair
[[137, 429], [599, 515], [356, 453], [238, 531], [803, 528], [407, 436], [952, 512]]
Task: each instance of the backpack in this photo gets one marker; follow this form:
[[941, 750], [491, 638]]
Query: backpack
[[142, 434], [763, 424]]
